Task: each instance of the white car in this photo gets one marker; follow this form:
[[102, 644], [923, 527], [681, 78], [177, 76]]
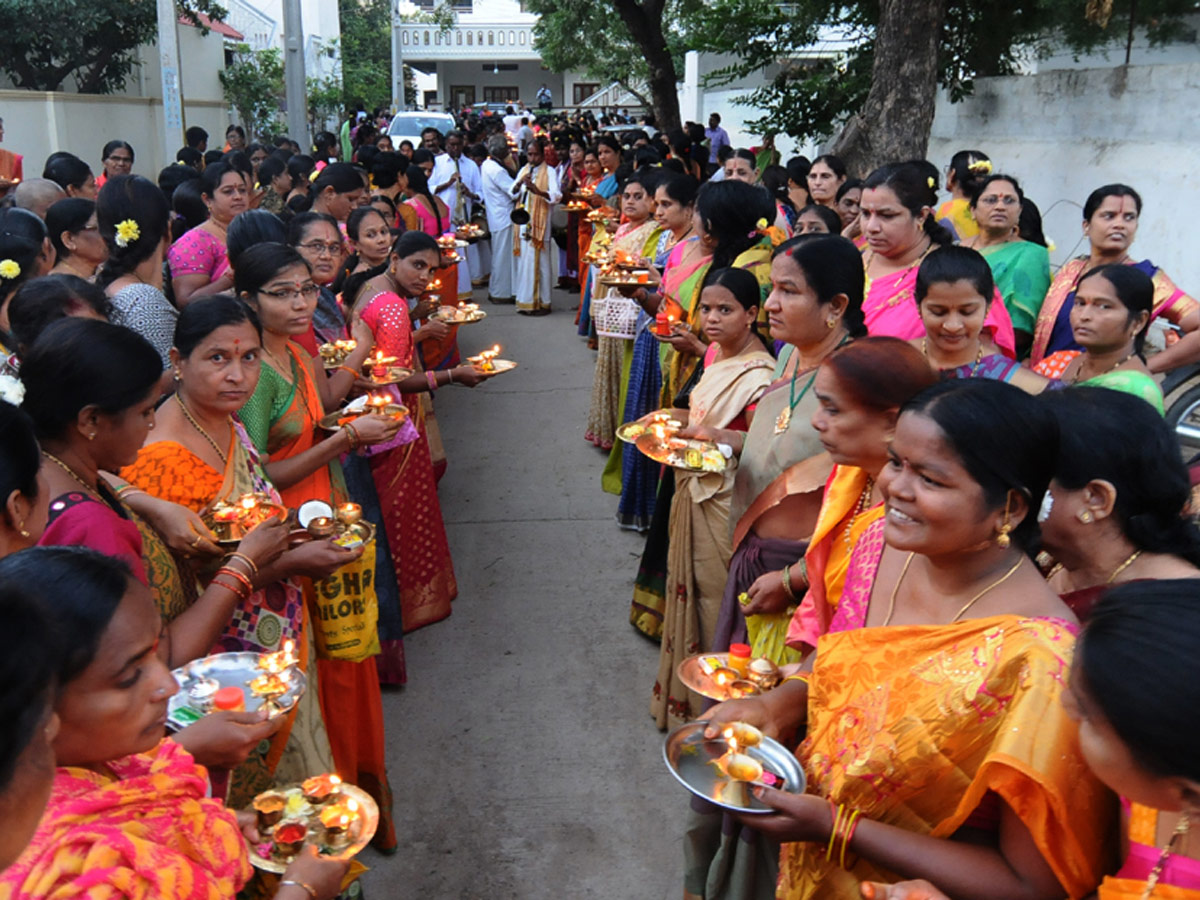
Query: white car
[[407, 126]]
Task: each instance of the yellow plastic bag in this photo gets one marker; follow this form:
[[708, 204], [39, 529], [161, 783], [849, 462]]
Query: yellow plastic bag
[[767, 635], [345, 610]]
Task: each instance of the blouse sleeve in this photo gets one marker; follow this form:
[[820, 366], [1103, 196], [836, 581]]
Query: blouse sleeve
[[145, 309], [90, 523], [193, 254], [257, 413]]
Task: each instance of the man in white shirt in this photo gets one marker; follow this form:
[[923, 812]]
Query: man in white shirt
[[512, 122], [497, 177], [537, 188], [524, 135], [457, 181]]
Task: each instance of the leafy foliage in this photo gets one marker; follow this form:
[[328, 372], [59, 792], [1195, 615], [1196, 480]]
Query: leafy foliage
[[809, 94], [253, 85], [92, 42], [367, 50]]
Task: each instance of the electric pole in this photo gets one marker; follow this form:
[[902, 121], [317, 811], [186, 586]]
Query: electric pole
[[293, 73], [172, 84]]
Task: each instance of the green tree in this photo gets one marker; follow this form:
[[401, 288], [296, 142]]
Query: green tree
[[93, 42], [253, 85], [367, 50], [877, 94]]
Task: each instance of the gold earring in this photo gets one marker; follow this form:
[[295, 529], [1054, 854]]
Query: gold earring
[[1084, 516], [831, 323], [177, 375], [1003, 540], [92, 436], [21, 530]]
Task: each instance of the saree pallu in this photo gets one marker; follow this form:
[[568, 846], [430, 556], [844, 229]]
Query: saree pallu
[[699, 551], [915, 725], [145, 832], [890, 309], [956, 216], [680, 284], [839, 526], [1139, 384], [349, 691], [404, 477], [1053, 331], [639, 473], [1022, 273], [270, 616]]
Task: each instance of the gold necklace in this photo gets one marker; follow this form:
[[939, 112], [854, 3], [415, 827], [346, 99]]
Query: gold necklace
[[864, 500], [1123, 566], [904, 571], [187, 414], [1152, 881], [974, 368], [285, 370], [1110, 369], [91, 489]]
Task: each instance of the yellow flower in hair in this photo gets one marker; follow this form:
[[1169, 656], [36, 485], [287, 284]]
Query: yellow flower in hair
[[932, 184], [127, 232], [980, 167], [762, 224], [9, 269], [312, 176]]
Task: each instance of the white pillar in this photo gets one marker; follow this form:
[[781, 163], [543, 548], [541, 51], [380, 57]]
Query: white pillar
[[691, 102], [172, 85]]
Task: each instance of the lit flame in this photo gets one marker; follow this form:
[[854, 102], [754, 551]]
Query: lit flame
[[248, 503]]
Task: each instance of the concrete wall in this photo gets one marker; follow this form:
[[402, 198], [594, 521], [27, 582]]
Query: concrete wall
[[36, 124], [1064, 133]]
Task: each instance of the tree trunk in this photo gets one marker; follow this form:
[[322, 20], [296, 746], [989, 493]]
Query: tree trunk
[[644, 21], [895, 120]]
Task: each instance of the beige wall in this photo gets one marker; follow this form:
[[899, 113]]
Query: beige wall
[[36, 124]]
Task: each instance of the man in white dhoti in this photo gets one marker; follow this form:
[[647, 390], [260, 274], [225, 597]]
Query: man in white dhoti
[[537, 189], [456, 180], [498, 200], [479, 254]]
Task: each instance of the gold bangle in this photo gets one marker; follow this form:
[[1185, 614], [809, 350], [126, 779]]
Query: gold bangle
[[246, 559], [312, 892], [799, 676], [128, 489]]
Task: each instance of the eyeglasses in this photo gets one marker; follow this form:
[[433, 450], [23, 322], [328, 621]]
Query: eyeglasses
[[320, 248], [307, 291], [121, 160], [993, 200]]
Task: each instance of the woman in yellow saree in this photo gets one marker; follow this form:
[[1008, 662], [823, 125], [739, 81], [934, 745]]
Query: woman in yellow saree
[[937, 746], [737, 369]]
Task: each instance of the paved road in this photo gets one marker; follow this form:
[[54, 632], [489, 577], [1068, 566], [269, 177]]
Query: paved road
[[522, 755]]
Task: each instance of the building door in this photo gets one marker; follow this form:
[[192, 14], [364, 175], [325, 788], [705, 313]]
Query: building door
[[462, 95], [500, 95]]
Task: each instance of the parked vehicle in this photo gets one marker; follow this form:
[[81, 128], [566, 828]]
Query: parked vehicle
[[409, 125]]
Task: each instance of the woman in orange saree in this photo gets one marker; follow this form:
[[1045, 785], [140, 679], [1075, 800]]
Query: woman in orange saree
[[937, 746], [404, 474], [281, 418], [216, 360]]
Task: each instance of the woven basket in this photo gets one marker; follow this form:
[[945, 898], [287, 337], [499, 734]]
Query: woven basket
[[616, 317]]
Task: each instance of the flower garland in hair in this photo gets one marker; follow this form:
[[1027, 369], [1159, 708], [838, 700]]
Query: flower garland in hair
[[776, 235], [127, 233], [12, 390], [980, 167], [9, 269]]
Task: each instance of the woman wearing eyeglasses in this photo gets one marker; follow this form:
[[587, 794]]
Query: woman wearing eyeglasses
[[281, 419], [1020, 268], [117, 159]]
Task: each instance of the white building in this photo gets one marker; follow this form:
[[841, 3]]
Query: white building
[[487, 57], [261, 21]]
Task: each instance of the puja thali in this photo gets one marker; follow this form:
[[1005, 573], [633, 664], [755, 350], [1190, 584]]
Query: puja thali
[[453, 315], [700, 765], [689, 454], [239, 669], [340, 825], [358, 407]]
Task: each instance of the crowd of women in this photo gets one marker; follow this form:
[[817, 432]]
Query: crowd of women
[[952, 512], [159, 359]]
